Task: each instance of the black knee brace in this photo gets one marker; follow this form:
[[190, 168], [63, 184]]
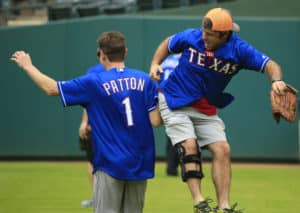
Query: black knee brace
[[184, 159]]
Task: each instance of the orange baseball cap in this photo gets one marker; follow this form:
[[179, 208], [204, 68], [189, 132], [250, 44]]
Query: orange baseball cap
[[220, 19]]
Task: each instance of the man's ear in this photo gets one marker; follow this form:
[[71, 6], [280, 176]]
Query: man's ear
[[98, 52], [126, 52], [103, 56]]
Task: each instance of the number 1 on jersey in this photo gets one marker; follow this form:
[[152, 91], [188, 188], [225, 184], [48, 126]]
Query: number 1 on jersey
[[128, 111]]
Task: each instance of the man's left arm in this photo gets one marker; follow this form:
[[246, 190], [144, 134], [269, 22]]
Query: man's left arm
[[275, 75], [283, 97]]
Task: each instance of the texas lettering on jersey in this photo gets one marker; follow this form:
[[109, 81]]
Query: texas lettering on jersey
[[121, 84], [218, 65]]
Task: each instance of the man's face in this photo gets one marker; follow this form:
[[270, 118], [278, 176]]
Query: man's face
[[212, 39]]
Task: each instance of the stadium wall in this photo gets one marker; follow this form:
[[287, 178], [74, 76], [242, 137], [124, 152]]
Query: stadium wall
[[34, 125]]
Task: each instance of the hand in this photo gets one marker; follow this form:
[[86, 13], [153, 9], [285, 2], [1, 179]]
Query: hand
[[155, 71], [22, 59], [279, 87], [84, 131]]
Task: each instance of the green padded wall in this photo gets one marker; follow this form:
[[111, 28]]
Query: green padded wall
[[36, 125]]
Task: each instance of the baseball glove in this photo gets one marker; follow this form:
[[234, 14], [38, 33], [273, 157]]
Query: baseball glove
[[284, 105], [86, 145], [84, 142]]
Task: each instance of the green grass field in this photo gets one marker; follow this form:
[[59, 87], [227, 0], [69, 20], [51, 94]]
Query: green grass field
[[58, 187]]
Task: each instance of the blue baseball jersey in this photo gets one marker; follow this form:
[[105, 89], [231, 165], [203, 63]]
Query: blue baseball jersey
[[201, 73], [95, 69], [168, 66], [118, 103]]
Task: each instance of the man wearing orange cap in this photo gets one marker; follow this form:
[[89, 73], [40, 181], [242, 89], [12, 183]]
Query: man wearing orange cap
[[211, 56]]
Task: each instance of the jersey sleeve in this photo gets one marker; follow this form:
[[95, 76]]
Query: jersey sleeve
[[151, 95], [178, 42], [74, 92], [251, 58]]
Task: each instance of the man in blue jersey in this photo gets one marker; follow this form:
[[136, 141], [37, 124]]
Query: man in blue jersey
[[121, 107], [211, 56], [85, 135]]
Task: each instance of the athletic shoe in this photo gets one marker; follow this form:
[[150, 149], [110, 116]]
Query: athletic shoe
[[87, 203], [203, 206], [231, 210]]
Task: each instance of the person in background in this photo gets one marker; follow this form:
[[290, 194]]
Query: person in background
[[85, 139]]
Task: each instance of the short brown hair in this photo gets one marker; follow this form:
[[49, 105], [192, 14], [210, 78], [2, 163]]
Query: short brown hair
[[113, 45]]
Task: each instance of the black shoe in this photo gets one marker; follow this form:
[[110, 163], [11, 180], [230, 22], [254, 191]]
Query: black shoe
[[203, 206], [231, 210], [172, 173]]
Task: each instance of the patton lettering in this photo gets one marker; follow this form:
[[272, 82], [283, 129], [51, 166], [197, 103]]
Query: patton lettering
[[122, 84]]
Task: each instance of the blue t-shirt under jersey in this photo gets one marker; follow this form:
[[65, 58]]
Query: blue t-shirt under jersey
[[168, 66], [201, 73], [95, 69], [118, 103]]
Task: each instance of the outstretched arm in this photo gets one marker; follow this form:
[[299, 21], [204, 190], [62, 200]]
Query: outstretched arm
[[160, 54], [47, 84], [275, 75]]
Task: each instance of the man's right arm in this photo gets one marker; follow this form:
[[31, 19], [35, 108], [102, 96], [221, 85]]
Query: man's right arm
[[160, 54], [155, 117], [47, 84]]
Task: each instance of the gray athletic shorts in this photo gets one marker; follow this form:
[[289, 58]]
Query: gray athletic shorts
[[117, 196], [186, 122]]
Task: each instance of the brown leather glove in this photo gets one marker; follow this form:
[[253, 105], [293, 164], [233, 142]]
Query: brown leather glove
[[284, 105]]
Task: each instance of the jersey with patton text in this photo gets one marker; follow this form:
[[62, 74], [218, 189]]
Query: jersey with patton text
[[118, 103], [201, 73]]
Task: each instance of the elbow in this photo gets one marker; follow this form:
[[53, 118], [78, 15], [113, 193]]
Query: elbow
[[272, 67], [155, 118], [156, 122], [51, 91], [51, 94]]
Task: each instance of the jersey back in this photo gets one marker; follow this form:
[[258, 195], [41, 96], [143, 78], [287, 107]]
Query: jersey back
[[118, 103]]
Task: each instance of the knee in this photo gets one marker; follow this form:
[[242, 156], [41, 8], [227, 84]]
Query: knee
[[220, 150], [190, 160], [190, 146]]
